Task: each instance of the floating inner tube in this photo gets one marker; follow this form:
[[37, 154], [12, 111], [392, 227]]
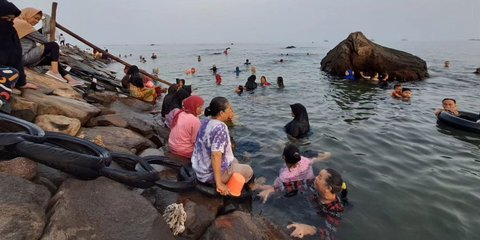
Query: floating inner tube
[[13, 124], [465, 121]]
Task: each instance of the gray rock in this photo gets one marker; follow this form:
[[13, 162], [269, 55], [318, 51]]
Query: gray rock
[[102, 209], [22, 208], [116, 139], [20, 167]]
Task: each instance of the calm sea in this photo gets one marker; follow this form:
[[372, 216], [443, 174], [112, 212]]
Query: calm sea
[[408, 177]]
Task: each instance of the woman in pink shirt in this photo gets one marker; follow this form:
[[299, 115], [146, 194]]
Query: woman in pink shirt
[[185, 127]]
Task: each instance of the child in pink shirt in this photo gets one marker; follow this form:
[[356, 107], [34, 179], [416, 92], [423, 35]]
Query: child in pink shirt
[[297, 171]]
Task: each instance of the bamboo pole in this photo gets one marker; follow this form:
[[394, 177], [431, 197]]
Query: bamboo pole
[[64, 29], [53, 20]]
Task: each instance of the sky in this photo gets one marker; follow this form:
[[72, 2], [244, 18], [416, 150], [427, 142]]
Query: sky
[[263, 21]]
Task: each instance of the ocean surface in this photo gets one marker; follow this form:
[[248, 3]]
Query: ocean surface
[[408, 177]]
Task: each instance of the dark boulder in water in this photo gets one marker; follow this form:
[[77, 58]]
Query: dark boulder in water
[[477, 71], [360, 54]]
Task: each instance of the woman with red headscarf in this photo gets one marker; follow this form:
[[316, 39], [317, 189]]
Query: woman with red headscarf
[[185, 125]]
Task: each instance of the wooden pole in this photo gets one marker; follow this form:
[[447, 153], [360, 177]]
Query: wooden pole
[[53, 20], [64, 29]]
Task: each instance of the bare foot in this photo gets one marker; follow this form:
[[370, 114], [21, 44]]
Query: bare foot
[[29, 86]]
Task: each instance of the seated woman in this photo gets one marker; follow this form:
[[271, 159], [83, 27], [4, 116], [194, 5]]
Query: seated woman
[[185, 127], [212, 157], [137, 87], [167, 99], [36, 49], [251, 84], [299, 126], [10, 48]]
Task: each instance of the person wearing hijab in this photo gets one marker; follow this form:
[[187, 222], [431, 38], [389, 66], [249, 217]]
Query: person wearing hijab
[[185, 125], [10, 51], [251, 84], [36, 49], [167, 99], [137, 87], [299, 126]]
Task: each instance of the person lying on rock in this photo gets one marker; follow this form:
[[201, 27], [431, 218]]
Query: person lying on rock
[[37, 50], [330, 198], [10, 48], [296, 175], [212, 159]]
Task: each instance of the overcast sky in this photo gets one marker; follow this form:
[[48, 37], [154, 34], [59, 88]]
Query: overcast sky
[[263, 21]]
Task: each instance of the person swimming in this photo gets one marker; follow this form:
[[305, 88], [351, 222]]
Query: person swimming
[[251, 84], [299, 127], [237, 71]]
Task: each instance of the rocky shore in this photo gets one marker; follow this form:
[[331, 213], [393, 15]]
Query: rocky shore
[[39, 202]]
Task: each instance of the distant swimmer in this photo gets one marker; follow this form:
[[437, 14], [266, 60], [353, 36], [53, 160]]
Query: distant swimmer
[[237, 71], [247, 62], [154, 56], [218, 79], [477, 71], [226, 51], [446, 64], [253, 70], [199, 59], [350, 74], [214, 69], [281, 60]]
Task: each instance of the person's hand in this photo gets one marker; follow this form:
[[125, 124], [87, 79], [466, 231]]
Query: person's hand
[[266, 193], [323, 156], [438, 111], [301, 230], [222, 189]]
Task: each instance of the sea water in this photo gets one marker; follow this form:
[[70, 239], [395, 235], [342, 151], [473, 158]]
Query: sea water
[[408, 177]]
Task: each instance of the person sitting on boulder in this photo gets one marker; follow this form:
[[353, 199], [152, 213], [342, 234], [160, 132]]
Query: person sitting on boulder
[[397, 91], [184, 127], [10, 48], [137, 87], [37, 50]]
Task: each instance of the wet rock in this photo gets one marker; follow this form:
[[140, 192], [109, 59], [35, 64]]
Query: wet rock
[[22, 208], [242, 225], [20, 167], [118, 139], [24, 109], [102, 209], [360, 54], [58, 123], [201, 212], [103, 98], [108, 120], [48, 104]]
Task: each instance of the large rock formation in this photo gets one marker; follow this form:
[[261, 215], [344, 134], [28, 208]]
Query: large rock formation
[[360, 54]]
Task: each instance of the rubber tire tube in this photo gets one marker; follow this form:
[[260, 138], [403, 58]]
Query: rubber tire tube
[[14, 124], [186, 182], [78, 145], [80, 165], [133, 179]]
